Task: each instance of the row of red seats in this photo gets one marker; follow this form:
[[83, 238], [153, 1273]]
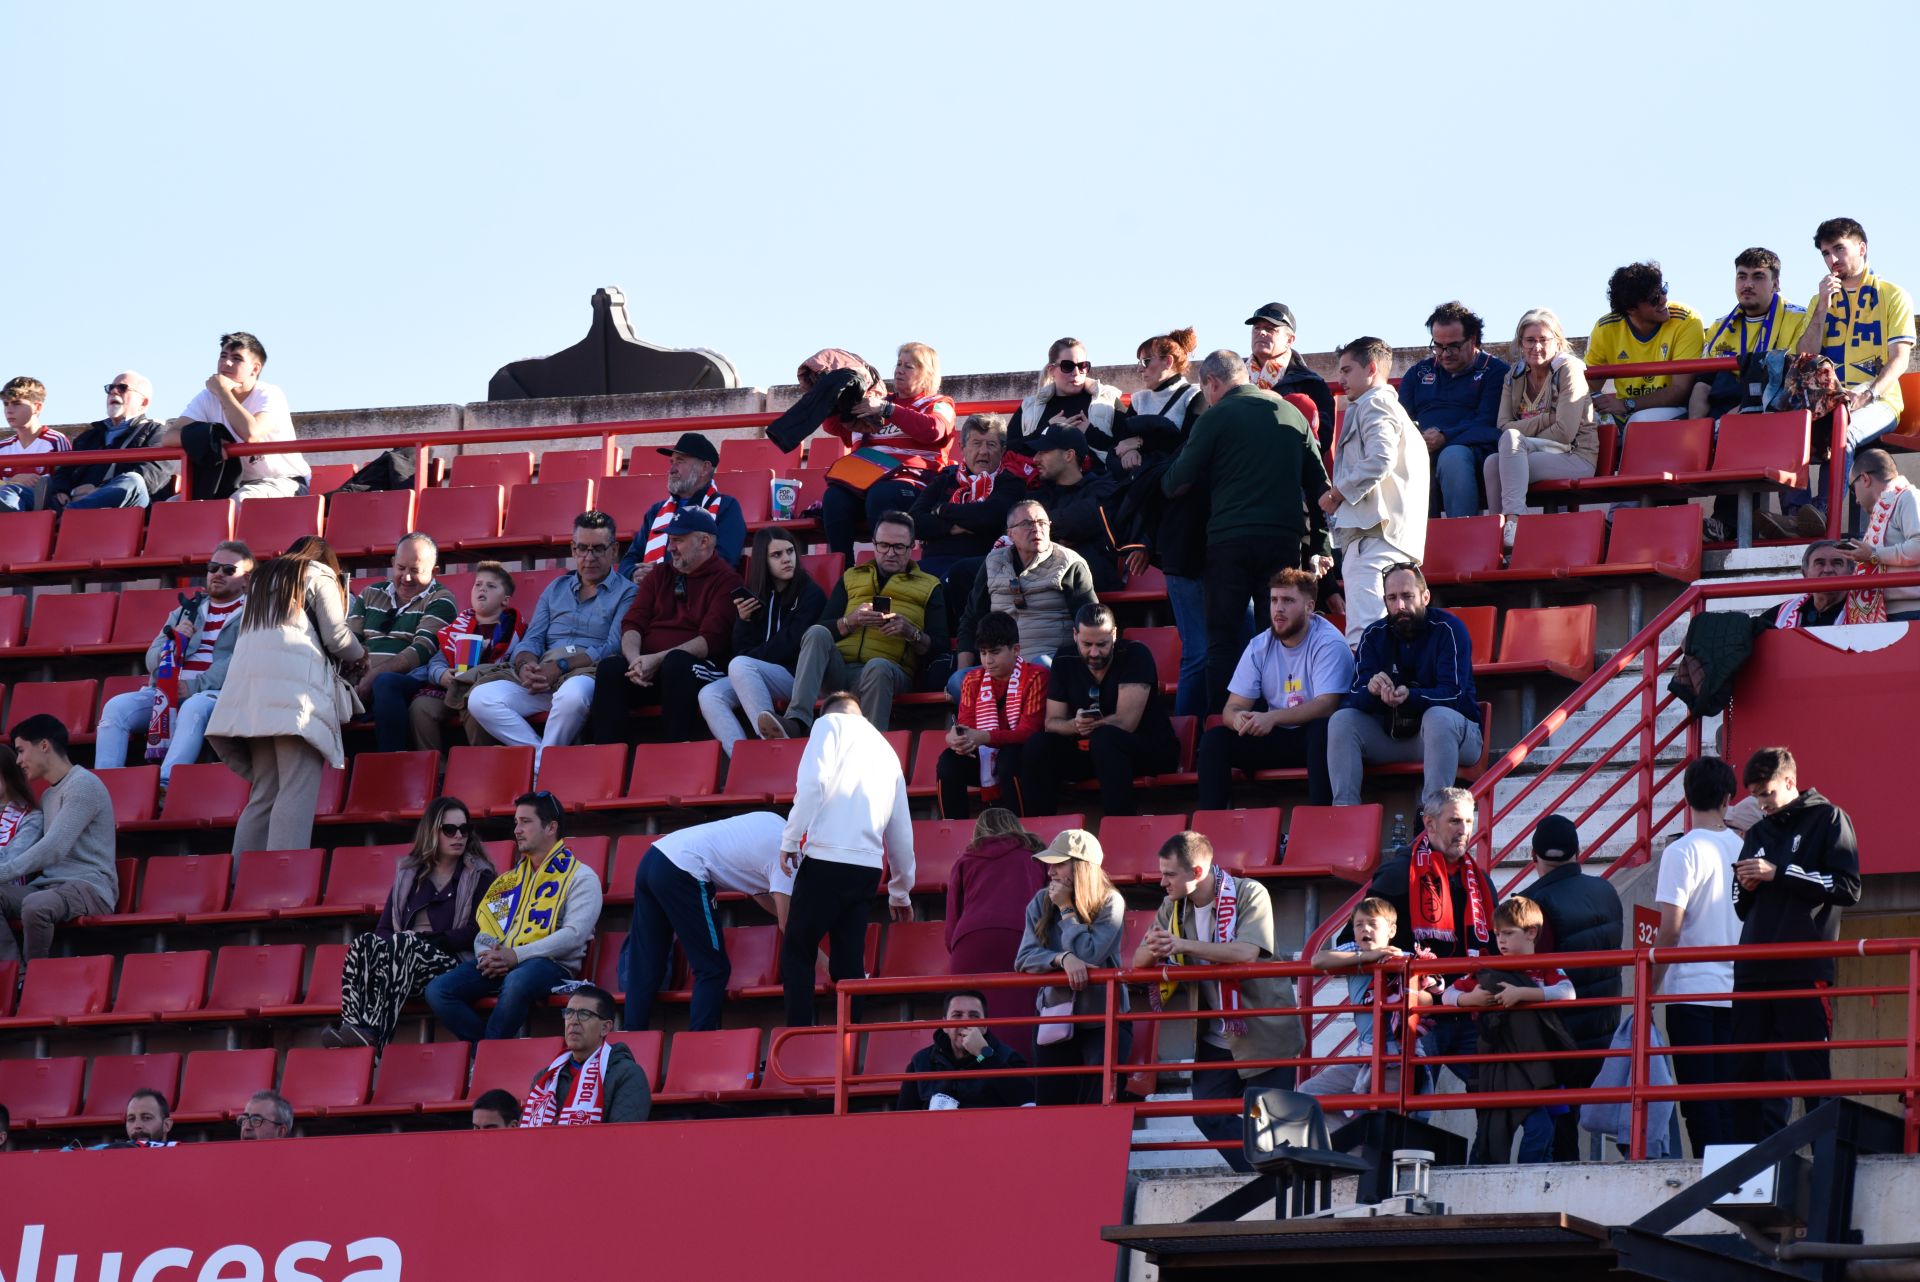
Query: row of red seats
[[1567, 548], [1678, 460]]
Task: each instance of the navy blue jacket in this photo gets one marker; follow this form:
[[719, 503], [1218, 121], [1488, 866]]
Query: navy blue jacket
[[728, 541], [1462, 407], [1436, 666], [1583, 915]]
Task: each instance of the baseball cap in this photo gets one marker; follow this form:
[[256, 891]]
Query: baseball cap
[[694, 444], [1073, 843], [693, 520], [1278, 313], [1556, 839], [1057, 438]]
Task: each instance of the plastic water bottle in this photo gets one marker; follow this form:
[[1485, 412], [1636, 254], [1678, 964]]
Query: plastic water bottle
[[1399, 838]]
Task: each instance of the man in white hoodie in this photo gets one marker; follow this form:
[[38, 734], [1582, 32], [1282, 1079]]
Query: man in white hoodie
[[849, 816], [1377, 504]]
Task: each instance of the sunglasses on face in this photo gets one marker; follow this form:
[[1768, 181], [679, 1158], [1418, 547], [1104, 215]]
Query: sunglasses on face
[[455, 830], [121, 388], [1067, 367], [221, 567]]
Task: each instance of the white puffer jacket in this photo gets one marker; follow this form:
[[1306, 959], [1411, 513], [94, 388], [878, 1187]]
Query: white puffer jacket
[[281, 680]]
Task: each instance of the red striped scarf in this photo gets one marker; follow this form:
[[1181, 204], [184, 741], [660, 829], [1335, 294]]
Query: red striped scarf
[[1431, 899], [1226, 904], [657, 532], [588, 1104], [1869, 605]]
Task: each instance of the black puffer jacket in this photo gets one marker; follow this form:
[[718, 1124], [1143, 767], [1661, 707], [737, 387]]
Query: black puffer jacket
[[1174, 530], [1009, 1091], [1816, 860], [1583, 916], [773, 634]]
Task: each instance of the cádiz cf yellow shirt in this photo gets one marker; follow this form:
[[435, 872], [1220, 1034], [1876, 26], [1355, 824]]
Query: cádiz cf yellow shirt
[[1778, 329], [1862, 329], [1613, 342]]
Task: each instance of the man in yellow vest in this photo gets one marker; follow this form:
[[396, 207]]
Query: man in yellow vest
[[884, 626]]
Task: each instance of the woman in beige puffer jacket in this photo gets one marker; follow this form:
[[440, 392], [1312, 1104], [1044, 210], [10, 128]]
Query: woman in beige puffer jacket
[[277, 723]]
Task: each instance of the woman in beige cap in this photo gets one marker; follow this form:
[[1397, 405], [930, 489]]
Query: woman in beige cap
[[1073, 925]]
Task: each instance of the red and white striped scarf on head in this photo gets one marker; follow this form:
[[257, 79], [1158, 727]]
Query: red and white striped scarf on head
[[657, 533], [588, 1103]]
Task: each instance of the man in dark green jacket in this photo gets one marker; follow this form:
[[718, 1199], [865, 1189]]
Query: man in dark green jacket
[[1261, 469]]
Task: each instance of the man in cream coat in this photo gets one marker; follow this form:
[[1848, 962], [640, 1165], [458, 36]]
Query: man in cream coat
[[1377, 504]]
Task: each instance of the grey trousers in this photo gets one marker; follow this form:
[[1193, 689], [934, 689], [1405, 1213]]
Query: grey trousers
[[285, 773], [1356, 738], [822, 670], [41, 908]]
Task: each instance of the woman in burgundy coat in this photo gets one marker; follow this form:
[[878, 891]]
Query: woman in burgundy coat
[[987, 897]]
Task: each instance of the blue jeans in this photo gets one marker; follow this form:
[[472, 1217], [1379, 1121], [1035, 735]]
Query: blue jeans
[[1457, 472], [960, 674], [1863, 428], [125, 490], [392, 692], [1536, 1139], [845, 514], [453, 994], [669, 902], [1190, 620], [15, 498]]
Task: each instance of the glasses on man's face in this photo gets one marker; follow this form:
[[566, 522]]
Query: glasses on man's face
[[892, 547], [1067, 367], [455, 830], [592, 549], [253, 1119], [121, 388], [1448, 349], [221, 567], [576, 1015], [1038, 523]]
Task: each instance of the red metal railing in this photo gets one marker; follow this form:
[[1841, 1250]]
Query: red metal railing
[[1637, 1094]]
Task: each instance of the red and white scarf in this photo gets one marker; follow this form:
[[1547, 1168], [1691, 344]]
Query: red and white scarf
[[1869, 605], [972, 487], [1430, 899], [166, 696], [1226, 903], [543, 1108], [657, 532], [987, 716], [1790, 612], [1269, 374], [10, 817]]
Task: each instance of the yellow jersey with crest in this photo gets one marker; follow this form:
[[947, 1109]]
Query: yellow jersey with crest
[[1778, 329], [1613, 342], [1862, 329]]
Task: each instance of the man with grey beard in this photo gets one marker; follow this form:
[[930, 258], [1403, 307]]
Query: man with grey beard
[[126, 427]]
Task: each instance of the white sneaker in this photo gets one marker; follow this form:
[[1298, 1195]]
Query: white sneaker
[[769, 726], [1507, 531]]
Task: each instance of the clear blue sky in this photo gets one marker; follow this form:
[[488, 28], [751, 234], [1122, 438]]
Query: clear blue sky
[[399, 198]]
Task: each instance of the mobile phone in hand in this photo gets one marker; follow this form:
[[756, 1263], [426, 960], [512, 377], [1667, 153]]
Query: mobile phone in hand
[[743, 593], [883, 604]]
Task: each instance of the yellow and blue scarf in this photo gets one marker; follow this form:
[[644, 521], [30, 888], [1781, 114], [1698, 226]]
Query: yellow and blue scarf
[[520, 905]]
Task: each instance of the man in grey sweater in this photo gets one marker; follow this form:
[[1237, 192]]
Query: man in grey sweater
[[70, 871]]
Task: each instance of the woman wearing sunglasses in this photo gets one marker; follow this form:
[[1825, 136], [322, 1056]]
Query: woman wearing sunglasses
[[427, 927], [1069, 396]]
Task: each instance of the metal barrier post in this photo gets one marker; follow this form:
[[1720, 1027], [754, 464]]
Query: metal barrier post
[[1110, 1051], [841, 1006], [1837, 478], [1639, 1067]]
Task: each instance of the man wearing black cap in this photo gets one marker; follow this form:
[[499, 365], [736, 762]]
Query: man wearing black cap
[[1272, 365], [674, 639], [1077, 502], [689, 484], [1583, 915]]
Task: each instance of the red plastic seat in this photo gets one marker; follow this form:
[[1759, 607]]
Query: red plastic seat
[[668, 774], [141, 614], [271, 526], [540, 515], [463, 515], [1761, 452], [627, 854], [753, 490], [91, 536], [752, 453], [1132, 845], [915, 948], [359, 879], [316, 1081], [1479, 622], [388, 786], [808, 1053], [37, 1091], [1460, 549], [507, 469], [1336, 841], [825, 450], [648, 1049], [580, 465], [64, 621], [412, 1076], [265, 883], [363, 524], [323, 986], [60, 987], [937, 847], [1650, 540], [487, 779], [135, 791], [328, 477], [217, 1084], [13, 620], [1243, 840], [1147, 586], [71, 702], [604, 962], [760, 773], [509, 1064], [924, 780], [580, 774], [10, 982], [112, 1079], [1548, 546], [824, 568], [627, 498], [247, 977], [27, 540], [1558, 640], [714, 1065], [152, 983], [1047, 827], [181, 534], [175, 886], [753, 953], [1653, 456], [203, 795], [1164, 645], [890, 1051], [590, 851]]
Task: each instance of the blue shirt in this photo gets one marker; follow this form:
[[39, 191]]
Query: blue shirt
[[1462, 407], [1287, 677], [1360, 993], [1435, 665], [562, 618]]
